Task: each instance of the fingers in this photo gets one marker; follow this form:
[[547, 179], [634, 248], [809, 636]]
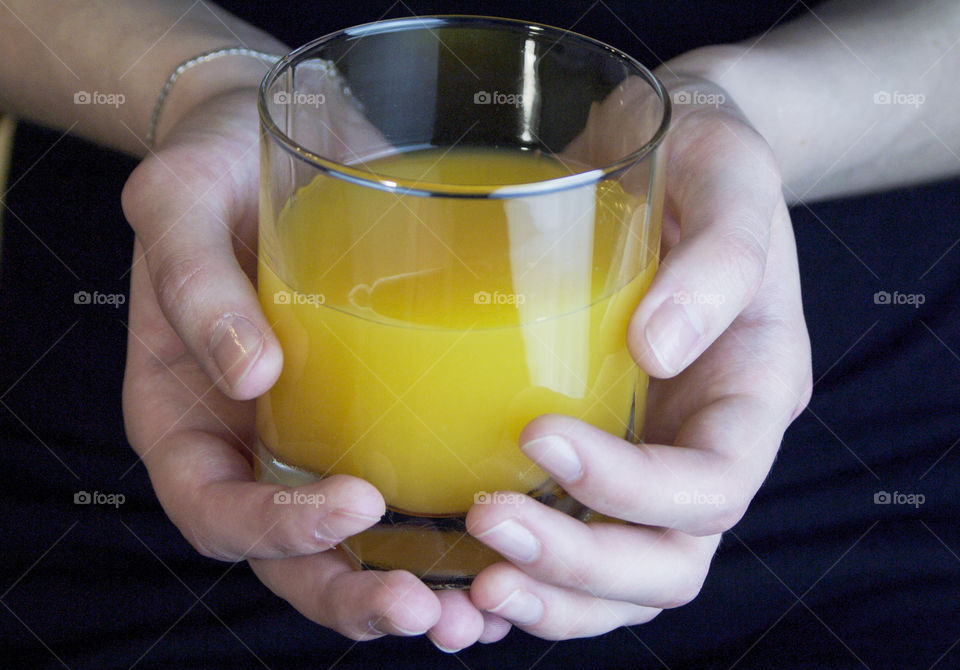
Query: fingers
[[782, 308], [701, 486], [360, 604], [460, 624], [495, 628], [652, 566], [226, 515], [723, 188], [193, 442], [193, 208], [548, 611]]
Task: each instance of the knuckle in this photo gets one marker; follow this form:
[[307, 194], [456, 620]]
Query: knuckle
[[209, 531], [578, 570], [724, 517], [139, 195], [743, 257], [390, 588], [278, 543], [756, 151], [177, 277], [200, 539], [723, 510], [643, 615], [192, 513], [287, 532], [689, 582], [691, 566]]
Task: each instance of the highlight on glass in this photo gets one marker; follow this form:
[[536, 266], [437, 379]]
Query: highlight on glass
[[458, 216]]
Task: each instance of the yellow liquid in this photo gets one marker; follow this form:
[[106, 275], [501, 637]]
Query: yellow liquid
[[420, 334]]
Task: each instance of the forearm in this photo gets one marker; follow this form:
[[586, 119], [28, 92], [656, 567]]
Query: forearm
[[856, 97], [124, 51]]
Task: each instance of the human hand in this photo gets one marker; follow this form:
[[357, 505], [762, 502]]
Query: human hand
[[201, 467], [194, 317], [722, 330]]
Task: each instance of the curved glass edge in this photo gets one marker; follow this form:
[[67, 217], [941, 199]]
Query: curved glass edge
[[424, 189]]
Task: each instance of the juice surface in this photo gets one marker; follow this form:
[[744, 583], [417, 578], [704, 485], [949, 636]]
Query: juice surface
[[421, 334]]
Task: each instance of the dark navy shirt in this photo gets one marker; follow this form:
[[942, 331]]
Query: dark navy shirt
[[832, 567]]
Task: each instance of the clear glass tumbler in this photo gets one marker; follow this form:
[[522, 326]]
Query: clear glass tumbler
[[458, 216]]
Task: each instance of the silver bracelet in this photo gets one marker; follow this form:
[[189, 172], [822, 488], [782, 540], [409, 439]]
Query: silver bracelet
[[186, 65]]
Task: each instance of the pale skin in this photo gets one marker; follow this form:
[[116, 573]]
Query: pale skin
[[730, 377]]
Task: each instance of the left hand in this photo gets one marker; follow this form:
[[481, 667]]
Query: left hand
[[732, 372]]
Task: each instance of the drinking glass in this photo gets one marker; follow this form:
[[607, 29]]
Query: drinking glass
[[458, 216]]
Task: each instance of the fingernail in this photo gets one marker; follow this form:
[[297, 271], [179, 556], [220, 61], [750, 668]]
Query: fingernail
[[340, 524], [356, 515], [405, 631], [235, 345], [442, 648], [328, 531], [520, 607], [672, 333], [378, 627], [512, 540], [556, 455]]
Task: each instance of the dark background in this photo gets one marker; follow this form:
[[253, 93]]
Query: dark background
[[816, 575]]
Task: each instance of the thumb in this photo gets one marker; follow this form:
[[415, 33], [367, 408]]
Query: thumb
[[194, 221], [723, 191]]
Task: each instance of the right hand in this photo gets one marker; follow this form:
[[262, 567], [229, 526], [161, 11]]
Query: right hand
[[194, 317]]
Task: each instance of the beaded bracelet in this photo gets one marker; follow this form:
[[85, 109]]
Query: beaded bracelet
[[186, 65]]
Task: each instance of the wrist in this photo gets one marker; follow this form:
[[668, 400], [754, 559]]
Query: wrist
[[742, 80], [203, 81], [705, 78]]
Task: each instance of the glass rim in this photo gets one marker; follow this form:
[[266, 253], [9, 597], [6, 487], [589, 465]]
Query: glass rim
[[366, 177]]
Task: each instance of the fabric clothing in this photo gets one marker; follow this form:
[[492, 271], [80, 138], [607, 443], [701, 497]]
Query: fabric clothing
[[821, 573]]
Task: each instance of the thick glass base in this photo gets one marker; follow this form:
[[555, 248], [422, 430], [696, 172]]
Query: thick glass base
[[438, 550]]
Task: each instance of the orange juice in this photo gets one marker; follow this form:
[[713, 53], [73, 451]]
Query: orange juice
[[420, 334]]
